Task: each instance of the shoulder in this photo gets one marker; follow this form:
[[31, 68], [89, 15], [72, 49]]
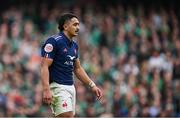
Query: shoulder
[[57, 37], [54, 38], [49, 42]]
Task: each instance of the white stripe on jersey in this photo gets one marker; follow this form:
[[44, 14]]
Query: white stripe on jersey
[[56, 36]]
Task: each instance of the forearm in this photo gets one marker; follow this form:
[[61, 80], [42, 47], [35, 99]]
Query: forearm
[[83, 77], [45, 77]]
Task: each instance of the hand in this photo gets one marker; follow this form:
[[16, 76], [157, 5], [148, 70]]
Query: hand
[[47, 96], [97, 92]]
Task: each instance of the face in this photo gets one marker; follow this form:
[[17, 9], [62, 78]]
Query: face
[[72, 27]]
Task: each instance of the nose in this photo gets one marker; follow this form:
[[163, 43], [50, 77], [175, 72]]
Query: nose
[[78, 27]]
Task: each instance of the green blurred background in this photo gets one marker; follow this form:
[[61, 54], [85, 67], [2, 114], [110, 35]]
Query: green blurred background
[[130, 48]]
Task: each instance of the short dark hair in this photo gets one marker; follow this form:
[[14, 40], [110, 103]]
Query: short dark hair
[[64, 18]]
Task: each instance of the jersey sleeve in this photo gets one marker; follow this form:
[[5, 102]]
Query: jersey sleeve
[[77, 52], [48, 49]]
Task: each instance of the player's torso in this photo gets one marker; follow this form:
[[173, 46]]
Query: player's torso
[[61, 70], [66, 53]]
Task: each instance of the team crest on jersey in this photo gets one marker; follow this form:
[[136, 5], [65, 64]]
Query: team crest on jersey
[[65, 50], [48, 47]]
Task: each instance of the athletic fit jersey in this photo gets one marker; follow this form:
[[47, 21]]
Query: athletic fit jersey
[[63, 52]]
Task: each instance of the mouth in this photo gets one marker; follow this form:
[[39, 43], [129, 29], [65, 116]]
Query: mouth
[[77, 31]]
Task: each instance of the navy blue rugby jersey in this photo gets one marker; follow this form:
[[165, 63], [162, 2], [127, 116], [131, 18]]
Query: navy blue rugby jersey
[[63, 52]]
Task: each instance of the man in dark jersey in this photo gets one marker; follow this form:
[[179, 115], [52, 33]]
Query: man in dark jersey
[[59, 61]]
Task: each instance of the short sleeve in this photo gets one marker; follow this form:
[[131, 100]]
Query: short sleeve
[[76, 51], [48, 49]]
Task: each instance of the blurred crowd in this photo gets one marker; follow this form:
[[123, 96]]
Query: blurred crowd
[[132, 54]]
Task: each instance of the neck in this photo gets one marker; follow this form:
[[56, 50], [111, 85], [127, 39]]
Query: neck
[[67, 35]]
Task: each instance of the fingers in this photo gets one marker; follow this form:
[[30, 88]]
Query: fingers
[[47, 97], [101, 94], [98, 94], [47, 100]]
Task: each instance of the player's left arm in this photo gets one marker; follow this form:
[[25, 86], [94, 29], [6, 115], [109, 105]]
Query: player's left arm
[[83, 77]]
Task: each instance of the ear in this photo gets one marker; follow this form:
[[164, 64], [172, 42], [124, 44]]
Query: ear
[[65, 26]]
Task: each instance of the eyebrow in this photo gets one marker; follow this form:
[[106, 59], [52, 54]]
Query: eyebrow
[[76, 23]]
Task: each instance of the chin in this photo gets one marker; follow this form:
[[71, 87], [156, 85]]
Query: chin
[[75, 34]]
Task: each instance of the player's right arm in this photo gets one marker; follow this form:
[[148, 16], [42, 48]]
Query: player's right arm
[[48, 52], [45, 63]]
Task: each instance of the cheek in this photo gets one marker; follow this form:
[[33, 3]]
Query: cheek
[[73, 29], [70, 30]]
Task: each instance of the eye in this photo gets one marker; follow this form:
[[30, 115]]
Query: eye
[[76, 24]]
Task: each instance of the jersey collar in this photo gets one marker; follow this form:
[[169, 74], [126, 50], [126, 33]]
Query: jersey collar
[[67, 40]]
